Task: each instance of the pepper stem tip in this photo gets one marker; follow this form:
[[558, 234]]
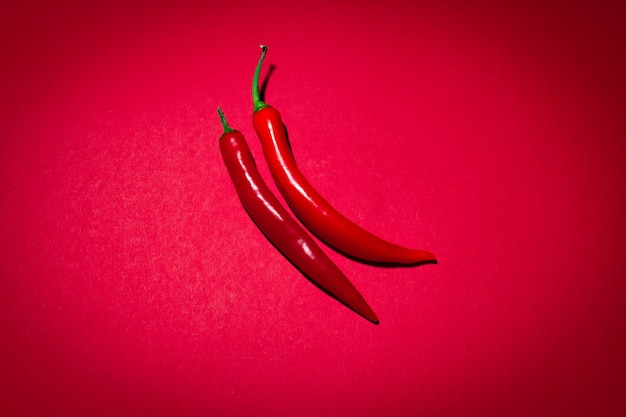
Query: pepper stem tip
[[223, 120]]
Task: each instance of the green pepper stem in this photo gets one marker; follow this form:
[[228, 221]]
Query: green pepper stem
[[256, 98], [227, 128]]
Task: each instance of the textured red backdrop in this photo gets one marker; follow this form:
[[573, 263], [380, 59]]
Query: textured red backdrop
[[133, 283]]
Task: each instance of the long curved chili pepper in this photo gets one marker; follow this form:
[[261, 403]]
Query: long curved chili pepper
[[310, 207], [280, 228]]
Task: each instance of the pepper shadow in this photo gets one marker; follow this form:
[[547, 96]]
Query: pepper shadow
[[263, 87], [373, 263]]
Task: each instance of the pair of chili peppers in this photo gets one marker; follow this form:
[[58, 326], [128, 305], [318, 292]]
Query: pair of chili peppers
[[309, 206]]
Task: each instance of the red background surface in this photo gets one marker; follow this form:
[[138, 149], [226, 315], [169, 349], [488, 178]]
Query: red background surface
[[133, 283]]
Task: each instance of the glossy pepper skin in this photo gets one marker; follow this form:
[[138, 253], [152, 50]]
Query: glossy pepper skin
[[310, 207], [280, 228]]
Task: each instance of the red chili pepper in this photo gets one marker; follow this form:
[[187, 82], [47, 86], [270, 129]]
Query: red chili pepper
[[282, 229], [309, 206]]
